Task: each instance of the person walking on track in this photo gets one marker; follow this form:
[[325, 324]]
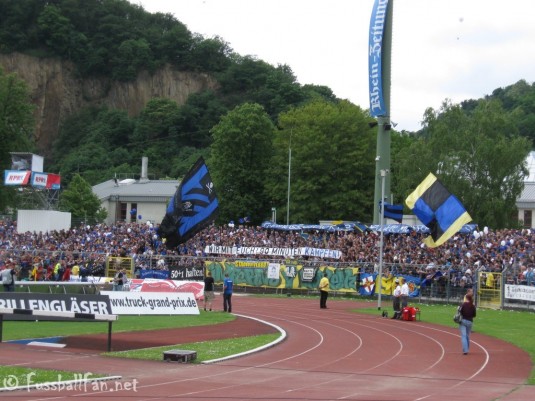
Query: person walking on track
[[468, 313]]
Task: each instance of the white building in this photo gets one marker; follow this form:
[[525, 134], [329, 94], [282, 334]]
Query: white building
[[526, 202], [136, 200]]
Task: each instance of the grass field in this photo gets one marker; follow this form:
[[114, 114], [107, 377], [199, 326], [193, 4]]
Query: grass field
[[206, 350], [511, 326], [31, 329]]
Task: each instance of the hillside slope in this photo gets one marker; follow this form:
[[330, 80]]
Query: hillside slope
[[57, 91]]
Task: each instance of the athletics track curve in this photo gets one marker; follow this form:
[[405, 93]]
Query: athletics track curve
[[330, 354]]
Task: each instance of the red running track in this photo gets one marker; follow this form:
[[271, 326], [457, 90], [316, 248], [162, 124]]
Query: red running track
[[330, 354]]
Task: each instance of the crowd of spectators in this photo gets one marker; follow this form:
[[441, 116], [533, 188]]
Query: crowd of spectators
[[84, 249]]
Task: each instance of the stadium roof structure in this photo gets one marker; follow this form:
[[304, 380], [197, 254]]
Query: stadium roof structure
[[136, 191]]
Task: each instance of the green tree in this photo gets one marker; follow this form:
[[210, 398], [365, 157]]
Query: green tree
[[332, 163], [478, 156], [18, 30], [112, 127], [185, 158], [155, 120], [97, 140], [520, 99], [210, 55], [174, 43], [319, 92], [131, 57], [197, 117], [79, 199], [72, 132], [280, 90], [59, 34], [155, 135], [16, 126], [239, 162]]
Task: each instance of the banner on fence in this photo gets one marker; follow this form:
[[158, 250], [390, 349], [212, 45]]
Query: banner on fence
[[273, 251], [107, 303], [255, 274], [75, 303], [154, 273], [186, 273], [520, 292], [152, 303], [367, 284], [308, 273], [274, 270]]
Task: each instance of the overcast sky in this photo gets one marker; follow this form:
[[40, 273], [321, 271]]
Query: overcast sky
[[442, 49]]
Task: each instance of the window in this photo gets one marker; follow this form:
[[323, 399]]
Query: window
[[527, 218], [122, 213]]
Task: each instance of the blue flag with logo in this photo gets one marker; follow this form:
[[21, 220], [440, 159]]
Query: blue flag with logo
[[438, 210], [193, 207]]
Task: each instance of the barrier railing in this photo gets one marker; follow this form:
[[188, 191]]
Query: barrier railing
[[442, 283]]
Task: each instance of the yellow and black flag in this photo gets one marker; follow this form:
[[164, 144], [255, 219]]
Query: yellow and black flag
[[438, 210]]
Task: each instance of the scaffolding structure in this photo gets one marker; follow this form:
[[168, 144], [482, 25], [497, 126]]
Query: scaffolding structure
[[37, 198]]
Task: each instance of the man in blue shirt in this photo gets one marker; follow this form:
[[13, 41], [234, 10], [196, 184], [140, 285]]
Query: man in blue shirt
[[227, 294]]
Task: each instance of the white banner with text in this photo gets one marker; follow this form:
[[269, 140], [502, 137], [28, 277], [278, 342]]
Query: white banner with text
[[273, 251], [520, 292], [152, 303]]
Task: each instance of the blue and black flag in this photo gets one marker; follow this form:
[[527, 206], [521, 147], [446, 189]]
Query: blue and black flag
[[438, 210], [394, 212], [193, 207]]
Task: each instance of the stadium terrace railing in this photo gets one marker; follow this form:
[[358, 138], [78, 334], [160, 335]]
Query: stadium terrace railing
[[436, 284]]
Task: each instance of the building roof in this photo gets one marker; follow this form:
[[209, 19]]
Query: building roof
[[136, 190], [527, 197]]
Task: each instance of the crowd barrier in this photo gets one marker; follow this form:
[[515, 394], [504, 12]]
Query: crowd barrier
[[429, 283]]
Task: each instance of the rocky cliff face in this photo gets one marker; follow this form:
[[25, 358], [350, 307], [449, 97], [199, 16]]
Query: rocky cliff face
[[57, 91]]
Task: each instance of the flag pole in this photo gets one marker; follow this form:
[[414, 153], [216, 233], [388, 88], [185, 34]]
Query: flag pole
[[381, 42], [381, 242], [289, 178]]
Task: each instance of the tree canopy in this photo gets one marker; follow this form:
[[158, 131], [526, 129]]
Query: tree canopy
[[478, 156], [79, 199], [332, 161], [239, 162]]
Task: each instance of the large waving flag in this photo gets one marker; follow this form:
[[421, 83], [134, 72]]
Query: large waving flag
[[438, 210], [193, 207]]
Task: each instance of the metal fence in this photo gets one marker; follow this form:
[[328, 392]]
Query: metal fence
[[442, 283]]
